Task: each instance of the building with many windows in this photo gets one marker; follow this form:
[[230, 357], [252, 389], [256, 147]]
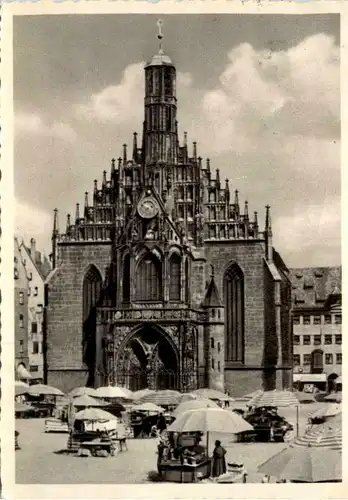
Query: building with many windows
[[21, 314], [37, 268], [317, 324], [163, 279]]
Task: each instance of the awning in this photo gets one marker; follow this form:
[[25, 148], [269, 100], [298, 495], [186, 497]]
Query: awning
[[309, 378], [23, 373], [338, 380]]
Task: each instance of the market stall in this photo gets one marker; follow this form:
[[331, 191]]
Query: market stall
[[182, 457]]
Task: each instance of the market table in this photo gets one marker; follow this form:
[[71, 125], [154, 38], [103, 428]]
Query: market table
[[176, 472], [98, 444]]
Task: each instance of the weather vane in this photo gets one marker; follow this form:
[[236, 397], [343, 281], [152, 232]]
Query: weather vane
[[160, 34]]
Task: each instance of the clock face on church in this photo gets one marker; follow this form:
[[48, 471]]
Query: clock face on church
[[148, 208]]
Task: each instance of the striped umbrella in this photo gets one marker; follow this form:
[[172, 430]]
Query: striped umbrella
[[160, 398], [275, 399], [188, 396], [193, 405], [322, 437], [307, 465]]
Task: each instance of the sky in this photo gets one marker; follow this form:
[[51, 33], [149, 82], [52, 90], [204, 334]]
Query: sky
[[259, 93]]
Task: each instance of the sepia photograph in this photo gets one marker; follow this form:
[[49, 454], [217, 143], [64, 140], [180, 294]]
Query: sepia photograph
[[177, 249]]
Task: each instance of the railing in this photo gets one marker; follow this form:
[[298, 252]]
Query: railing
[[112, 315]]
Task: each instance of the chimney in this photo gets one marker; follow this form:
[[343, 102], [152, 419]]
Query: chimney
[[33, 248]]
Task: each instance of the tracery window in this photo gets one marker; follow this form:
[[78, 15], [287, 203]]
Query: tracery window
[[92, 285], [175, 277], [149, 279], [234, 314]]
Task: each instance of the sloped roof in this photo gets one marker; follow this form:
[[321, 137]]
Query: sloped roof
[[312, 286], [212, 297]]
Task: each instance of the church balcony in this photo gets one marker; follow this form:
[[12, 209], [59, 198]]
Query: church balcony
[[109, 315]]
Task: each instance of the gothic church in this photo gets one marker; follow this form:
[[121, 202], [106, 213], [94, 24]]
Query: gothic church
[[163, 280]]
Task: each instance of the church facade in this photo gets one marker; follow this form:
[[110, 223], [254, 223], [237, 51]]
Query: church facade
[[162, 279]]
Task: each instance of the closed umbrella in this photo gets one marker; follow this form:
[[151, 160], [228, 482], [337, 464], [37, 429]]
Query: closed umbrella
[[210, 420], [41, 389], [71, 414], [83, 391], [193, 405], [87, 401], [110, 392], [307, 464], [148, 407]]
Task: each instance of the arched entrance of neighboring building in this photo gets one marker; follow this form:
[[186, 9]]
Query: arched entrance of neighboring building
[[331, 382], [148, 358]]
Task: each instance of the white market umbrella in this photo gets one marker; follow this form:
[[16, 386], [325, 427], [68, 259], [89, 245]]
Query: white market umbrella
[[38, 389], [210, 420], [110, 392], [83, 391], [307, 464], [137, 395], [87, 401], [329, 411], [193, 405], [20, 383], [148, 407], [94, 415], [212, 394]]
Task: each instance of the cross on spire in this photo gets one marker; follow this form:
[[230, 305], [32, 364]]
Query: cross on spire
[[160, 34]]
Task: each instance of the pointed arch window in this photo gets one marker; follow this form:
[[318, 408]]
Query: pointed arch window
[[149, 279], [234, 314], [92, 287], [175, 277], [126, 278]]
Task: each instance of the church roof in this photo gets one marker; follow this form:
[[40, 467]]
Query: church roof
[[212, 297], [160, 59]]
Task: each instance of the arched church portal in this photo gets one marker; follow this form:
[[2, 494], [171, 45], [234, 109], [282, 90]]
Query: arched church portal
[[148, 359]]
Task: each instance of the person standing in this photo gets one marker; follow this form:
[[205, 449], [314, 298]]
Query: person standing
[[219, 462]]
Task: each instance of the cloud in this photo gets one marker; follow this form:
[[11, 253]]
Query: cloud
[[33, 222], [311, 234], [284, 93], [33, 124], [122, 103]]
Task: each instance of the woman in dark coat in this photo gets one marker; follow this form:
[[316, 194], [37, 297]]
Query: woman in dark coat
[[219, 462]]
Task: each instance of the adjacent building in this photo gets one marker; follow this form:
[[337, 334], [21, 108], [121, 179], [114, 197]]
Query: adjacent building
[[21, 314], [317, 325], [37, 268], [164, 279]]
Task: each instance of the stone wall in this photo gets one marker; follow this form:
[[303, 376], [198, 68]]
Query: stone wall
[[249, 257], [64, 306]]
